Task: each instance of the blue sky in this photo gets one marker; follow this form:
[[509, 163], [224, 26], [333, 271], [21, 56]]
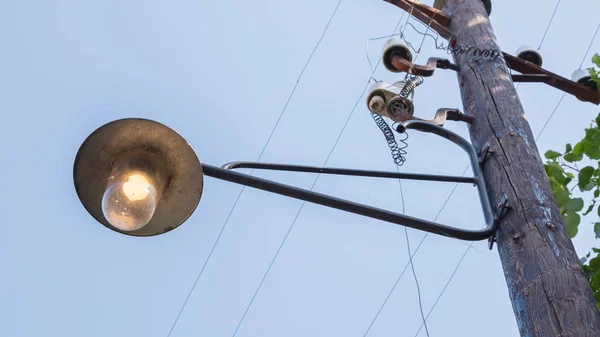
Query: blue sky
[[220, 73]]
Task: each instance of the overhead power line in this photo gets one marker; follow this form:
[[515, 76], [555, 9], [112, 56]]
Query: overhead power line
[[283, 242], [585, 55], [283, 110]]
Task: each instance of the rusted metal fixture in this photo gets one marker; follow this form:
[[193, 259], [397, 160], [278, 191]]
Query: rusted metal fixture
[[429, 12], [444, 114], [430, 16], [402, 65], [395, 46], [533, 73], [438, 21]]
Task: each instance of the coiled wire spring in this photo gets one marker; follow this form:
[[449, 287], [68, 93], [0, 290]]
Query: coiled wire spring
[[458, 48], [398, 151]]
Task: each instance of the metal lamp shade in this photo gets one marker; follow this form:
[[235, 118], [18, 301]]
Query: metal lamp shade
[[98, 153]]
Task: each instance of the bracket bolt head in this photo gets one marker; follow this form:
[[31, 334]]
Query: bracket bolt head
[[517, 236]]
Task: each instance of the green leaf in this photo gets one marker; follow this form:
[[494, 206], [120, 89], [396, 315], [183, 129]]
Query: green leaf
[[598, 117], [552, 154], [596, 193], [557, 172], [589, 210], [597, 230], [568, 148], [591, 150], [569, 178], [593, 135], [596, 59], [595, 262], [574, 205], [572, 221], [572, 157], [578, 149], [562, 197], [554, 170], [590, 186], [584, 176]]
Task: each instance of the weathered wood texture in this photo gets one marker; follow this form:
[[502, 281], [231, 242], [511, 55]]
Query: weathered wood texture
[[549, 292]]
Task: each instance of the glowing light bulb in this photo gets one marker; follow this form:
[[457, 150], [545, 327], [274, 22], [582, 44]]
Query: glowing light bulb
[[129, 203], [133, 190], [137, 187]]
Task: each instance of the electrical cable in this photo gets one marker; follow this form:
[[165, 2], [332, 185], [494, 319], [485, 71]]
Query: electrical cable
[[379, 38], [283, 242], [410, 259], [396, 150], [545, 33], [445, 286], [398, 153], [551, 115], [549, 24], [411, 83], [564, 94], [284, 109], [389, 294], [458, 48], [587, 51]]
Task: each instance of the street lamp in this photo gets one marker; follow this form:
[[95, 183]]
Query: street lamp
[[139, 177]]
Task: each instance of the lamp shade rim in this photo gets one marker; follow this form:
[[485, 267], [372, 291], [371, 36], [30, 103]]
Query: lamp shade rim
[[97, 154]]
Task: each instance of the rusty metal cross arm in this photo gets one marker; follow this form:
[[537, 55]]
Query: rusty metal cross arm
[[438, 21], [533, 73], [430, 16]]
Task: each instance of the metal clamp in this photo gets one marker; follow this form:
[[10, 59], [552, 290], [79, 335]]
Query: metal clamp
[[403, 65], [225, 173], [441, 116], [501, 211]]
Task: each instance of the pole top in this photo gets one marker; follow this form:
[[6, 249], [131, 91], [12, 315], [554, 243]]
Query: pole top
[[486, 3]]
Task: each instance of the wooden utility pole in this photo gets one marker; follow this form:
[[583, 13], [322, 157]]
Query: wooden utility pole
[[547, 286]]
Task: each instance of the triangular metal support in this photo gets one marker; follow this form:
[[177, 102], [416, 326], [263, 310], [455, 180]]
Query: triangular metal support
[[225, 173]]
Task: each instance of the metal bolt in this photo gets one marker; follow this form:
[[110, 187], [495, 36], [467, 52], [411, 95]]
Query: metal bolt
[[550, 225], [517, 236], [512, 133]]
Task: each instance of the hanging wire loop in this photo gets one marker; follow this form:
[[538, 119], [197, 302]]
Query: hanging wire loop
[[369, 211]]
